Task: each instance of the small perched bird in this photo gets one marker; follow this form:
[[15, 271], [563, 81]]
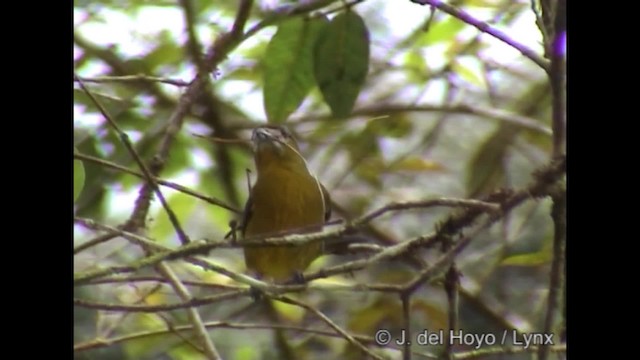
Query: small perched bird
[[285, 197]]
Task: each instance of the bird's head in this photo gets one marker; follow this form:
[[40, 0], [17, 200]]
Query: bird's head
[[274, 145]]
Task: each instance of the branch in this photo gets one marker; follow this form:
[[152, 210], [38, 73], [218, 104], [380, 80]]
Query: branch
[[484, 112], [544, 179], [557, 78], [486, 28], [556, 282], [165, 254], [405, 299], [132, 79], [120, 67], [558, 212], [124, 138], [193, 43], [329, 322], [101, 343], [287, 12], [93, 242], [395, 206], [445, 260], [194, 301], [194, 316], [483, 353], [169, 184]]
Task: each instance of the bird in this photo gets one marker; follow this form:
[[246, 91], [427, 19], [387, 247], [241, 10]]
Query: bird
[[285, 197]]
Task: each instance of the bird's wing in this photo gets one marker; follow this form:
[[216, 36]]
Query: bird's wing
[[327, 202], [246, 215]]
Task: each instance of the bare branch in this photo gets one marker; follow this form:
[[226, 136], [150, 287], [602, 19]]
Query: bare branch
[[132, 79], [169, 184], [329, 322], [486, 28], [124, 138]]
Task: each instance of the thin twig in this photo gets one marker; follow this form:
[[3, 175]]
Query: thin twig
[[556, 282], [289, 238], [145, 170], [486, 28], [135, 279], [451, 284], [101, 343], [194, 316], [558, 211], [557, 78], [544, 179], [169, 184], [193, 302], [329, 322], [395, 206], [483, 112], [445, 260], [93, 242], [193, 44], [406, 320], [502, 350], [132, 78], [120, 67]]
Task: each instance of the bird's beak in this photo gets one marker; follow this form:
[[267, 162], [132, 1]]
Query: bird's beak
[[263, 139]]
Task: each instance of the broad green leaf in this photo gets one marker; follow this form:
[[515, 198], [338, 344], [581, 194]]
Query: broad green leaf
[[78, 178], [288, 66], [341, 61]]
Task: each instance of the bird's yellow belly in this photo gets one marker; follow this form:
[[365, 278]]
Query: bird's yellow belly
[[284, 203]]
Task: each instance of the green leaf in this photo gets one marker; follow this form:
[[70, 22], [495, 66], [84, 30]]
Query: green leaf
[[78, 178], [341, 61], [288, 66]]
